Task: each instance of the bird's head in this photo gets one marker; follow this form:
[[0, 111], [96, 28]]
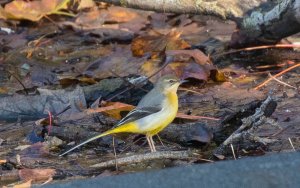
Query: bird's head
[[168, 83]]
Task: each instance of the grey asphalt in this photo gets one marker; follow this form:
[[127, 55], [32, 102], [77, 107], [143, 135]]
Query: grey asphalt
[[277, 170]]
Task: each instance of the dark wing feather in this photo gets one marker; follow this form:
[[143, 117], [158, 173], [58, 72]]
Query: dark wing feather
[[137, 113]]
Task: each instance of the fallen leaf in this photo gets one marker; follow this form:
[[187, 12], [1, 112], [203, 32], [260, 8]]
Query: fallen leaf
[[199, 56], [113, 109], [34, 10], [36, 150], [188, 71], [36, 175], [89, 20], [27, 184], [117, 18], [2, 13], [192, 65], [119, 14], [158, 43], [2, 161], [3, 90], [120, 62], [83, 4]]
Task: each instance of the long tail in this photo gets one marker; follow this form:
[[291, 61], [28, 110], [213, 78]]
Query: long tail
[[89, 140]]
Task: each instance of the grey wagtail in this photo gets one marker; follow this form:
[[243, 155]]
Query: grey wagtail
[[154, 112]]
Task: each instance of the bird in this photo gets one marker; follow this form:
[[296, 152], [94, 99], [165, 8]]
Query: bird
[[155, 111]]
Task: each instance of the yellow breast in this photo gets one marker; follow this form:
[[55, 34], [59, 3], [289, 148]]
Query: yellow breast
[[167, 114]]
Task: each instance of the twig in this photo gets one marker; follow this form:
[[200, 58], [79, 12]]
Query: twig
[[291, 144], [131, 144], [276, 75], [183, 155], [115, 153], [281, 131], [160, 140], [281, 81], [190, 90], [47, 181], [192, 117], [249, 125], [52, 21], [25, 89], [50, 121], [126, 81], [233, 153], [168, 60], [258, 48]]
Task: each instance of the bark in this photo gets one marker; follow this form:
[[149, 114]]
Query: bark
[[268, 26], [267, 22], [224, 9]]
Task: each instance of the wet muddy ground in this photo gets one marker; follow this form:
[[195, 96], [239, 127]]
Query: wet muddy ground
[[89, 71]]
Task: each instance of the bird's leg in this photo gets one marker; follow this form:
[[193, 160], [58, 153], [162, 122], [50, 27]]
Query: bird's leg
[[149, 142], [152, 142]]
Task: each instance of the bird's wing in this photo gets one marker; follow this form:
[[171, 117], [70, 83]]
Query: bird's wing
[[138, 113], [154, 99]]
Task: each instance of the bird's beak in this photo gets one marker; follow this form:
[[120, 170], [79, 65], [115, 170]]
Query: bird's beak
[[183, 81]]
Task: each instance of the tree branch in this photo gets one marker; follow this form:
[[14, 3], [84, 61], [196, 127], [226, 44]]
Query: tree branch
[[268, 26], [225, 9]]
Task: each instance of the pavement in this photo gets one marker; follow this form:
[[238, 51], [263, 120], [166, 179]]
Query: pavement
[[277, 170]]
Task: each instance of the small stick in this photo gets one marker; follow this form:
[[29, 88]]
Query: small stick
[[18, 80], [168, 60], [258, 48], [47, 181], [291, 144], [115, 153], [276, 75], [233, 151], [183, 155], [160, 140], [281, 81], [127, 147], [190, 90], [126, 81]]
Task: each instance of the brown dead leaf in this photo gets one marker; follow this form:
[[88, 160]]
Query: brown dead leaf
[[188, 64], [66, 82], [2, 161], [158, 43], [113, 109], [120, 62], [187, 70], [199, 56], [36, 175], [3, 90], [27, 184], [2, 13], [86, 4], [112, 18], [36, 150], [90, 19], [119, 14], [34, 10]]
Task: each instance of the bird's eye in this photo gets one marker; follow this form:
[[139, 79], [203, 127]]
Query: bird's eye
[[172, 81]]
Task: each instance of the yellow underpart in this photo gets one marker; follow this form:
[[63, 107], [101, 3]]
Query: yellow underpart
[[128, 127], [132, 127], [172, 102]]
